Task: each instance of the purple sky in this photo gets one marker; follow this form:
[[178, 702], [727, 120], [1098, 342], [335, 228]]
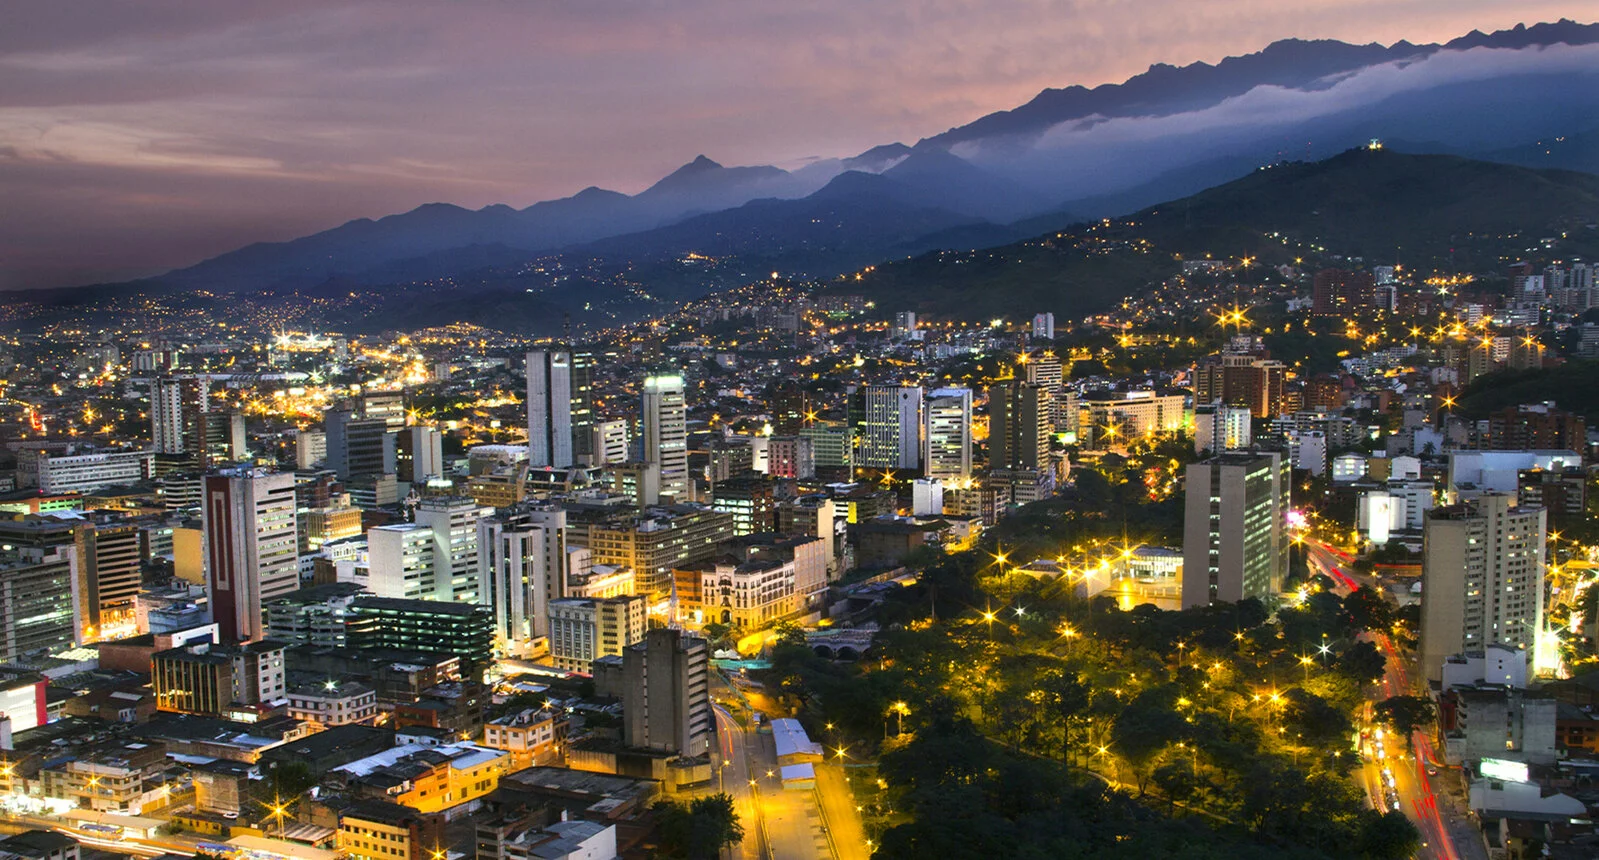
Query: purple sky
[[135, 137]]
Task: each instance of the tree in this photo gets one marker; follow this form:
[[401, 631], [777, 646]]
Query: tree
[[1404, 714], [1368, 609], [699, 829], [1387, 837]]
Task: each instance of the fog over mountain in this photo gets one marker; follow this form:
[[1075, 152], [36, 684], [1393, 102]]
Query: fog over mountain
[[1067, 153]]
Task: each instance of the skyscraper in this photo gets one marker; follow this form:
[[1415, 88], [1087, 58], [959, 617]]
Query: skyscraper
[[1234, 544], [170, 399], [1482, 578], [250, 547], [583, 448], [665, 419], [948, 435], [1019, 426], [522, 563], [890, 427], [549, 408]]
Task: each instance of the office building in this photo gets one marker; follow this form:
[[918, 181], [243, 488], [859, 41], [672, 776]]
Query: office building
[[751, 501], [1019, 426], [1109, 420], [811, 516], [1338, 292], [610, 442], [1234, 540], [790, 457], [357, 446], [666, 702], [36, 606], [310, 449], [314, 615], [890, 427], [401, 561], [948, 434], [585, 629], [418, 454], [1242, 375], [174, 403], [665, 420], [582, 410], [379, 830], [251, 547], [464, 630], [905, 326], [1482, 577], [82, 473], [201, 677], [832, 449], [522, 556], [108, 588], [453, 521], [549, 408], [651, 543]]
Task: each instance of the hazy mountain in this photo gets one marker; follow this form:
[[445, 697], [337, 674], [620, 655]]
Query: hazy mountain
[[1092, 152], [1417, 210]]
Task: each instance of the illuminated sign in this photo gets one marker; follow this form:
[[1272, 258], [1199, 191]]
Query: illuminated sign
[[1498, 768]]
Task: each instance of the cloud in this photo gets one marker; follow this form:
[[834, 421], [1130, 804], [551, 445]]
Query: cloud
[[284, 117]]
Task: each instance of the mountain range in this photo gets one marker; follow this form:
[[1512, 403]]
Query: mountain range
[[1524, 96]]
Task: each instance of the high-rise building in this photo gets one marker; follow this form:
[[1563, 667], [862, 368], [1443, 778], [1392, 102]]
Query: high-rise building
[[385, 406], [56, 474], [1482, 578], [175, 403], [1252, 381], [811, 516], [401, 561], [948, 435], [36, 611], [358, 447], [549, 408], [250, 547], [890, 427], [1019, 426], [791, 408], [1219, 427], [1044, 326], [582, 411], [905, 325], [666, 702], [418, 454], [1234, 539], [749, 499], [790, 457], [584, 629], [453, 520], [610, 442], [832, 449], [665, 419], [1109, 420], [522, 554], [104, 556]]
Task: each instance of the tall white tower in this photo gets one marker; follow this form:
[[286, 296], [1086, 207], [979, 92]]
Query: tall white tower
[[666, 432]]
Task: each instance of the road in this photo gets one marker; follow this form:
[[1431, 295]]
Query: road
[[1395, 774], [784, 823]]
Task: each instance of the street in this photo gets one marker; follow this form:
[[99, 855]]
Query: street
[[779, 823], [1395, 771]]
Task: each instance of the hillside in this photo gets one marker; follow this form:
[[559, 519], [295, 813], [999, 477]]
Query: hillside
[[1419, 210], [1573, 386], [1426, 211]]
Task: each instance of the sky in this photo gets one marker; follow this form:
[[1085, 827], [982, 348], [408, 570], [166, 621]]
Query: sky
[[139, 137]]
